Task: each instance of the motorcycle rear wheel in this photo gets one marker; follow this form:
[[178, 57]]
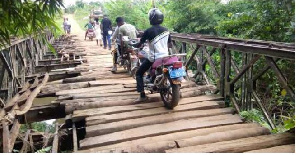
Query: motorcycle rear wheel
[[171, 96]]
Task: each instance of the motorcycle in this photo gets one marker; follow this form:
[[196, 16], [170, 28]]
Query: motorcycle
[[166, 76], [90, 34], [169, 73]]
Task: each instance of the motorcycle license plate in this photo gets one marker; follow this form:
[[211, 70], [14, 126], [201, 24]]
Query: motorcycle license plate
[[176, 73]]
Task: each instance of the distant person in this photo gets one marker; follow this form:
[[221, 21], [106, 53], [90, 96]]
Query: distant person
[[90, 27], [106, 28], [98, 31], [67, 26]]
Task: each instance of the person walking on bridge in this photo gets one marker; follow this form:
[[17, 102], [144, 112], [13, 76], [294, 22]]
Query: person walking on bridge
[[106, 28]]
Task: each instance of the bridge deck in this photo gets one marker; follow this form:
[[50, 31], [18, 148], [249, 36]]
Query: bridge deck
[[113, 123]]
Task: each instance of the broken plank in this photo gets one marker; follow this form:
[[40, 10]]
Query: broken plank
[[102, 129], [240, 145], [159, 129]]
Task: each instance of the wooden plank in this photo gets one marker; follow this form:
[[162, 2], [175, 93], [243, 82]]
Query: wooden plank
[[161, 146], [169, 137], [55, 140], [93, 78], [159, 129], [24, 108], [75, 146], [104, 95], [101, 89], [53, 88], [151, 112], [101, 129], [118, 109], [240, 145], [276, 149]]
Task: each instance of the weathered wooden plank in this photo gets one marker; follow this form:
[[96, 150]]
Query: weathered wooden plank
[[240, 145], [151, 112], [93, 78], [104, 95], [119, 109], [161, 146], [25, 107], [276, 149], [159, 129], [170, 137], [49, 89], [99, 89], [107, 128]]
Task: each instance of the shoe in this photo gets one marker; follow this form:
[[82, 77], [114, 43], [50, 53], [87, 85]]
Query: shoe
[[114, 69], [141, 99], [104, 47], [109, 49]]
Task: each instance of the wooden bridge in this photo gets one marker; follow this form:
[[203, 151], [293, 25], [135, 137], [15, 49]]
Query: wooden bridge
[[100, 115]]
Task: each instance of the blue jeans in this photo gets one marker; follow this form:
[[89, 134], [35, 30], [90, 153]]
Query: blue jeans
[[106, 36], [140, 73]]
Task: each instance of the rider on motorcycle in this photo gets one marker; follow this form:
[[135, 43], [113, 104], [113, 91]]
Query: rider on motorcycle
[[158, 38], [123, 29]]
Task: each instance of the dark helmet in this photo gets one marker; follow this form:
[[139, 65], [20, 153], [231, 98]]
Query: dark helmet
[[155, 16]]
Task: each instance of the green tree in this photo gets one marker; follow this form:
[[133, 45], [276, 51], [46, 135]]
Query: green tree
[[24, 17]]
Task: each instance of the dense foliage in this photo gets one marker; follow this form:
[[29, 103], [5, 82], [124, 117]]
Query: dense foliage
[[26, 17]]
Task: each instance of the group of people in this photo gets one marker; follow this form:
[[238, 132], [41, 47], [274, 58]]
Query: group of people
[[157, 36], [103, 31]]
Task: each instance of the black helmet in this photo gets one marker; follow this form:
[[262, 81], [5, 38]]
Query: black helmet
[[155, 16]]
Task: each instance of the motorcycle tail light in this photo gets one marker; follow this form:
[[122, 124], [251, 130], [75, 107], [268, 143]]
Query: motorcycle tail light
[[165, 70], [177, 64]]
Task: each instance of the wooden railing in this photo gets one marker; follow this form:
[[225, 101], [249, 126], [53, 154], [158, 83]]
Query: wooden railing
[[18, 61], [235, 81]]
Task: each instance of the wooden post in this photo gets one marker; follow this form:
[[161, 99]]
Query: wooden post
[[228, 86], [74, 138], [5, 137], [14, 132], [222, 76], [24, 148]]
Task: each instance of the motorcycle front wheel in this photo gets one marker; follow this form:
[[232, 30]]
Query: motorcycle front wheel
[[170, 95]]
